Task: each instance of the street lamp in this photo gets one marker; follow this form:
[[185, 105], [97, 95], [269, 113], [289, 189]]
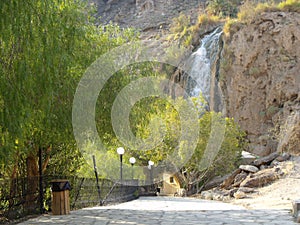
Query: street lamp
[[132, 162], [150, 164], [121, 151]]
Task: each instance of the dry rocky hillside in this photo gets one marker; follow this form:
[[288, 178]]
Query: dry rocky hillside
[[261, 80], [146, 14]]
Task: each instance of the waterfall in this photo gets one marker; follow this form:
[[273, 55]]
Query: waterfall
[[202, 72]]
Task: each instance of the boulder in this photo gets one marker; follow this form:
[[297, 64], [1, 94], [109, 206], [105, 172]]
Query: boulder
[[215, 182], [246, 189], [247, 157], [230, 179], [274, 163], [263, 167], [284, 157], [239, 195], [232, 192], [239, 179], [207, 195], [260, 178], [266, 160], [249, 168]]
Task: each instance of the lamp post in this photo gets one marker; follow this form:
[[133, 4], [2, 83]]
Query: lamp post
[[121, 151], [150, 164], [132, 162]]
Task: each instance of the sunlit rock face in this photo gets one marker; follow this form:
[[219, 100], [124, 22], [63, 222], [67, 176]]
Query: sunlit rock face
[[260, 78]]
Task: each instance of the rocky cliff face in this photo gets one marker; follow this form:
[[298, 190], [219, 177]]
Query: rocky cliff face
[[146, 14], [260, 78]]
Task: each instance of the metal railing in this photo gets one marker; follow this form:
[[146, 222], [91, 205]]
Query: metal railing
[[23, 196]]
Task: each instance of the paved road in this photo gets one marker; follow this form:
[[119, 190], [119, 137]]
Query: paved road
[[167, 211]]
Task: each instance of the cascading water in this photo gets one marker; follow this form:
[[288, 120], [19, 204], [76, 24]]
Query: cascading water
[[200, 66]]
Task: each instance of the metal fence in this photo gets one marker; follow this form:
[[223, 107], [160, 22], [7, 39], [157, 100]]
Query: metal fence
[[23, 196]]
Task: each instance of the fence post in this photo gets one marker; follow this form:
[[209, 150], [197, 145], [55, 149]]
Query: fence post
[[97, 179]]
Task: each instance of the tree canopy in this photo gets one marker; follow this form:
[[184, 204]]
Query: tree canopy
[[45, 47]]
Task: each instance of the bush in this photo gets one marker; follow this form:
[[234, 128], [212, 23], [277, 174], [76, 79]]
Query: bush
[[187, 34], [290, 5], [223, 8], [250, 9]]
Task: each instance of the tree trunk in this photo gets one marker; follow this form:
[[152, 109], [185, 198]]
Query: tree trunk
[[47, 159], [31, 205], [12, 190]]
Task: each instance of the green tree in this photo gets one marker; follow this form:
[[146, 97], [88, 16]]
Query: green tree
[[208, 159], [218, 160], [45, 47], [144, 122]]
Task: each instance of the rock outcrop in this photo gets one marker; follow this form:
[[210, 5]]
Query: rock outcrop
[[146, 14], [260, 77]]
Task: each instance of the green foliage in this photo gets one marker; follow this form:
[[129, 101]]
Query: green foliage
[[204, 23], [45, 48], [223, 8], [208, 20], [290, 5], [228, 28], [180, 24], [111, 89], [185, 33], [228, 155], [144, 121], [157, 116], [180, 29], [249, 10]]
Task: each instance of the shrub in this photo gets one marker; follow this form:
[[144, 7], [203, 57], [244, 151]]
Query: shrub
[[187, 34], [228, 27], [250, 9], [223, 8], [290, 5]]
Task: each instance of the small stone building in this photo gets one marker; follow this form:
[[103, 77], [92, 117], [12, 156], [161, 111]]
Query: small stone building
[[171, 185]]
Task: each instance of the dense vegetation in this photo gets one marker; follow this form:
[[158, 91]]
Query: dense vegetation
[[46, 46]]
